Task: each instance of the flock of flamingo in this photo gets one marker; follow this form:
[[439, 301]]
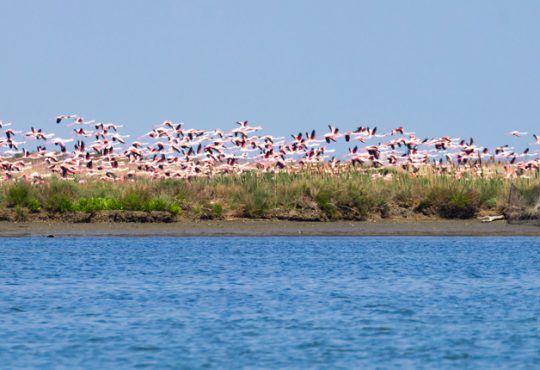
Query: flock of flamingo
[[171, 150]]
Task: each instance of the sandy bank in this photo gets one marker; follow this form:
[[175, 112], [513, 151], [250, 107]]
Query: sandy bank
[[272, 228]]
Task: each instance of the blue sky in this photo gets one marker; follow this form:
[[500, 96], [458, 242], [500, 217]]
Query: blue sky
[[464, 68]]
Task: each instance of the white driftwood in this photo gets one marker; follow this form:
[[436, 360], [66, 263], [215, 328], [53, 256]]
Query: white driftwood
[[491, 218]]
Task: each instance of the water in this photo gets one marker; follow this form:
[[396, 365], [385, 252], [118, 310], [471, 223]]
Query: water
[[270, 302]]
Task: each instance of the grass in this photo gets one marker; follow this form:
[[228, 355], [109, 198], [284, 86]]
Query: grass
[[346, 196]]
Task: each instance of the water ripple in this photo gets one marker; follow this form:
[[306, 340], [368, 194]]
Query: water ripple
[[269, 303]]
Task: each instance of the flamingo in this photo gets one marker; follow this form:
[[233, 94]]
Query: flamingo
[[62, 117], [332, 135], [517, 133]]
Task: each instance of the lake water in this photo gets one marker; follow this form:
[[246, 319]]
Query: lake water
[[283, 302]]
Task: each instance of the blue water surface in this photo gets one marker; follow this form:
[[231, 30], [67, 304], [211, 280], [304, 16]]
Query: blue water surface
[[283, 302]]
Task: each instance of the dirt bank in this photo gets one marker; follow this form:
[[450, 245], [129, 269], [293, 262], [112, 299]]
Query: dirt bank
[[271, 228]]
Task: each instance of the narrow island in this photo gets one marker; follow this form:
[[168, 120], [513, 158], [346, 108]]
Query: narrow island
[[240, 182]]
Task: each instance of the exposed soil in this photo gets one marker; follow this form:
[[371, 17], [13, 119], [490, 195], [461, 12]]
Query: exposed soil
[[245, 227]]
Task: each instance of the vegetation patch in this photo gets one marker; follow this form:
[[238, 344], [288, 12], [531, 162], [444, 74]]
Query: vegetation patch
[[300, 196]]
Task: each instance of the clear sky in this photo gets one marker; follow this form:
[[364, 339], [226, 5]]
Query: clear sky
[[454, 67]]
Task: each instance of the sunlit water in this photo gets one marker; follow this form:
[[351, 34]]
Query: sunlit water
[[270, 302]]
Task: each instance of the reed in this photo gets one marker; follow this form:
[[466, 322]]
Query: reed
[[300, 196]]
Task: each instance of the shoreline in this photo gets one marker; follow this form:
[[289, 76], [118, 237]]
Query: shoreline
[[248, 227]]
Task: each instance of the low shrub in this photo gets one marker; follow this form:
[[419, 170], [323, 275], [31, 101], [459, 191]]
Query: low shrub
[[256, 204], [20, 214], [175, 209], [461, 204], [17, 194], [90, 205], [217, 210], [324, 202], [155, 205], [135, 200], [33, 204], [450, 203], [59, 203]]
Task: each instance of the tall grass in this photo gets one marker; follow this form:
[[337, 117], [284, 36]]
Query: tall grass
[[352, 195]]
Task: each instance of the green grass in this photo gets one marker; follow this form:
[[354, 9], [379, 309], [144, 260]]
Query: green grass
[[351, 195]]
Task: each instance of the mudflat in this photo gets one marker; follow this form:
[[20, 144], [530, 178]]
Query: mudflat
[[271, 228]]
